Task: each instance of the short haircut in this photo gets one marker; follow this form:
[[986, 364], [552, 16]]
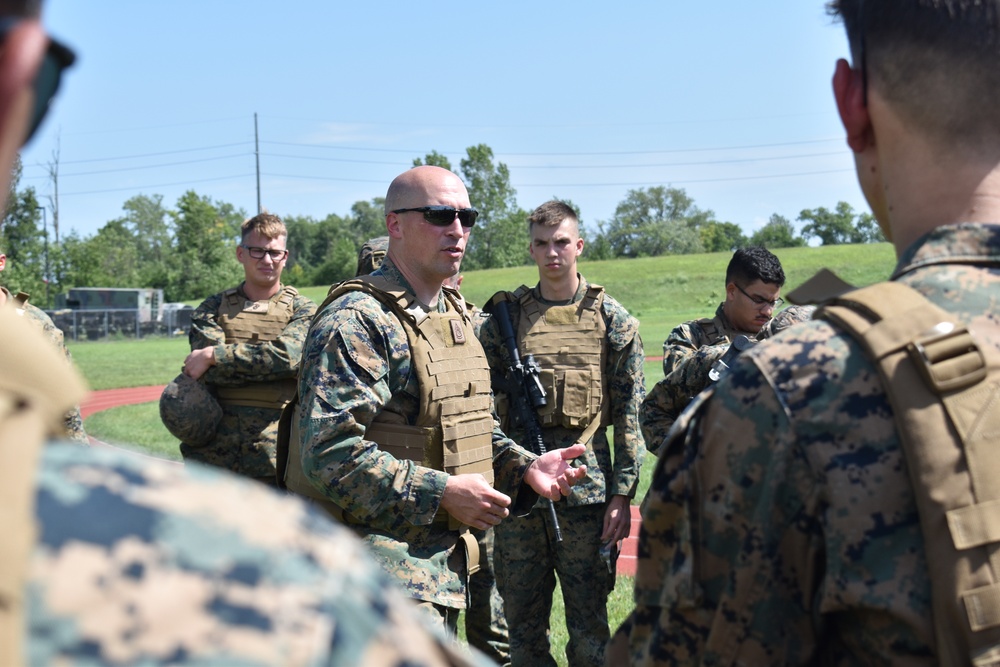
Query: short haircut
[[936, 61], [754, 263], [550, 214], [25, 8], [266, 224]]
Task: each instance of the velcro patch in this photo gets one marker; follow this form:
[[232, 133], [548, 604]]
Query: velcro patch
[[356, 344], [255, 306], [457, 332]]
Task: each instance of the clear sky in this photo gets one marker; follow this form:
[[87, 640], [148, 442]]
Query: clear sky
[[728, 100]]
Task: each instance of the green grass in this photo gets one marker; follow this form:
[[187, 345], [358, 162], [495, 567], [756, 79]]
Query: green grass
[[135, 427], [130, 362], [620, 605]]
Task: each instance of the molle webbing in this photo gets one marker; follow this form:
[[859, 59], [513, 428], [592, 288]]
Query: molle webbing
[[569, 343], [274, 394], [713, 332], [245, 321], [944, 387], [453, 431]]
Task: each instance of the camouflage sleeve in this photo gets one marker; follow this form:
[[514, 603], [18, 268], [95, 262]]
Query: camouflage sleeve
[[72, 421], [143, 562], [356, 362], [658, 413], [780, 522], [686, 362], [704, 585], [627, 390], [238, 363]]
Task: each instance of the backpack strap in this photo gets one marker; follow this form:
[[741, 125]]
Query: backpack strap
[[944, 387]]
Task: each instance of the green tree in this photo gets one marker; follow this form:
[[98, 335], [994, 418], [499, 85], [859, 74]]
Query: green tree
[[204, 257], [434, 159], [869, 230], [25, 242], [656, 221], [147, 223], [367, 220], [499, 239], [115, 259], [340, 264], [841, 225], [779, 232], [721, 236]]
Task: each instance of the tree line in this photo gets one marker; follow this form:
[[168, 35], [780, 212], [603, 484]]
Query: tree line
[[187, 250]]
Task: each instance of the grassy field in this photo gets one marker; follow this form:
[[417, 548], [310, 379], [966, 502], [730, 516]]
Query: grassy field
[[661, 292]]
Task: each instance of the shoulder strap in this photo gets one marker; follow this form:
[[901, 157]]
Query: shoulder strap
[[945, 393], [713, 332]]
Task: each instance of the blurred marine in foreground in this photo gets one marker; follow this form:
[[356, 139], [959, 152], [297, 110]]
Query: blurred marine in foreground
[[833, 499]]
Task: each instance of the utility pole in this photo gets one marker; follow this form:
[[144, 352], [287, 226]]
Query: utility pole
[[256, 146], [45, 233]]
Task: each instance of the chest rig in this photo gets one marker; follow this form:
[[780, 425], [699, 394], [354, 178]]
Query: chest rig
[[246, 321], [453, 430], [570, 344]]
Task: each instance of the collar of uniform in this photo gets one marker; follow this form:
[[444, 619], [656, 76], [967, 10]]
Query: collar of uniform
[[389, 271], [581, 290], [966, 243]]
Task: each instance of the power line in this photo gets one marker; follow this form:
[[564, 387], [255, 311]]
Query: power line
[[683, 182], [145, 155], [155, 166], [396, 163], [160, 185], [506, 153]]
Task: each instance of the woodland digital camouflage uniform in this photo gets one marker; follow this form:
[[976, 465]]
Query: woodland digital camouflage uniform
[[525, 567], [245, 440], [73, 422], [485, 622], [356, 363], [688, 354], [781, 526], [142, 562]]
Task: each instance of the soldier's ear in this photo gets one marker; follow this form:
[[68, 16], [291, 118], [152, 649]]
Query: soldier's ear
[[393, 225], [849, 92]]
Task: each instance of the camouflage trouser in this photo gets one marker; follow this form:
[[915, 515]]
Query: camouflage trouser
[[528, 558], [485, 625]]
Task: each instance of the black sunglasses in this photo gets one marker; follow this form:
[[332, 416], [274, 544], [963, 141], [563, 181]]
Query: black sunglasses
[[442, 216], [57, 58]]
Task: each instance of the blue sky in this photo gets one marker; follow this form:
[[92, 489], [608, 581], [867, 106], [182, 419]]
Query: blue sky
[[729, 100]]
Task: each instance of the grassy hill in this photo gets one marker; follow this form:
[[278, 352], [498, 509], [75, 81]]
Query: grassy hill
[[664, 291], [660, 291]]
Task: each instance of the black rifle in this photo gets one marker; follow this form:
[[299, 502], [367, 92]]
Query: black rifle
[[526, 395], [721, 365]]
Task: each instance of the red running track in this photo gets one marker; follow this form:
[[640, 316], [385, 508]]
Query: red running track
[[113, 398]]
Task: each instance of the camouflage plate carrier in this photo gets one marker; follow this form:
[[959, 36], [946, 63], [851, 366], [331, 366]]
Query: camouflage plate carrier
[[454, 429], [245, 321], [570, 345]]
